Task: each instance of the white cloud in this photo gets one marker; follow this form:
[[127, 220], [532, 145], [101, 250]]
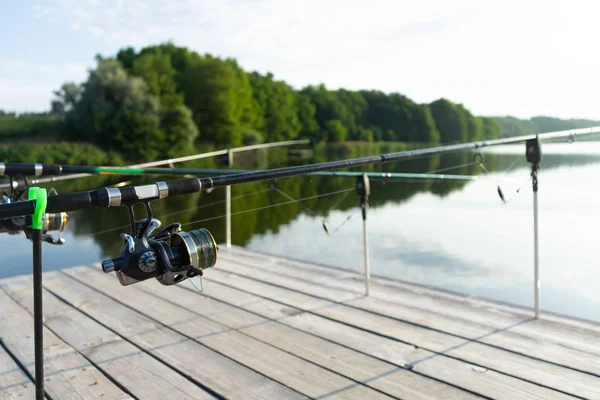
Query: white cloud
[[511, 57]]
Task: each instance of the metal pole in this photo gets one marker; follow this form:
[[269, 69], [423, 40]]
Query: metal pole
[[228, 216], [363, 189], [228, 204], [536, 273], [367, 260], [38, 327]]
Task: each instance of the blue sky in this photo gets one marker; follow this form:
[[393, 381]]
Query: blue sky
[[521, 58]]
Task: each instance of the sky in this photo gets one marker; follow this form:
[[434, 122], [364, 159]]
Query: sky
[[520, 58]]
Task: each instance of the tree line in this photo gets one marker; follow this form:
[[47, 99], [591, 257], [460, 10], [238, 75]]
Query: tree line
[[511, 126], [173, 100]]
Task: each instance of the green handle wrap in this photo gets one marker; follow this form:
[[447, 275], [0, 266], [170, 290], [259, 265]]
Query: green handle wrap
[[41, 200]]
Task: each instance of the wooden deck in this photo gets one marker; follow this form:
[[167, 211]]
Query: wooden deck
[[272, 328]]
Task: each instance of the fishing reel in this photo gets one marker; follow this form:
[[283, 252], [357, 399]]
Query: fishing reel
[[169, 255], [52, 222]]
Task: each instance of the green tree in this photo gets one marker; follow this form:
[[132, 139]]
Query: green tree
[[450, 121], [127, 57], [306, 117], [336, 131], [278, 106], [510, 126], [180, 130], [474, 125], [354, 113], [220, 97], [65, 98], [366, 135], [176, 119], [327, 107], [159, 74], [391, 116], [116, 112], [424, 129], [491, 129], [181, 58]]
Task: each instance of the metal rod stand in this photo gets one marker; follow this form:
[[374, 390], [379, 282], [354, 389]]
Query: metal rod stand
[[228, 204], [366, 248], [38, 324], [536, 273], [533, 153], [363, 189], [228, 216]]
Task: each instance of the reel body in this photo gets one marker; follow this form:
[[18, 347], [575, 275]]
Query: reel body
[[170, 255], [52, 222]]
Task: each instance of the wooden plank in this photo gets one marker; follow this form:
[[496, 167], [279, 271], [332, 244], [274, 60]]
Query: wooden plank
[[380, 375], [466, 329], [294, 372], [221, 374], [491, 358], [13, 381], [140, 373], [574, 333], [67, 374]]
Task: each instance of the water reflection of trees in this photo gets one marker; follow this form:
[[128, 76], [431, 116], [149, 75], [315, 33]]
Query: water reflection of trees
[[194, 207]]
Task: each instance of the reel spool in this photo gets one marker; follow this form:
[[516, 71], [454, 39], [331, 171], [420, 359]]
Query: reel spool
[[52, 222], [170, 255], [55, 222]]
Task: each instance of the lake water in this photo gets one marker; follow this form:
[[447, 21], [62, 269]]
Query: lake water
[[452, 235]]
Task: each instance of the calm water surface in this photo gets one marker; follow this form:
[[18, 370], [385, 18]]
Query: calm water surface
[[453, 235]]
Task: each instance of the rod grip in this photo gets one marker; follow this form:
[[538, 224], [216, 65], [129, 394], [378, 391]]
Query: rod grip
[[18, 209], [68, 202], [13, 169], [183, 186], [51, 169]]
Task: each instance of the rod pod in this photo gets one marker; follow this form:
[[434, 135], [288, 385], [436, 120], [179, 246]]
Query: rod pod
[[363, 189]]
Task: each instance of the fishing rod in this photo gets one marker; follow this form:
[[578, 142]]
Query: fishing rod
[[12, 169], [38, 169], [112, 197], [57, 221]]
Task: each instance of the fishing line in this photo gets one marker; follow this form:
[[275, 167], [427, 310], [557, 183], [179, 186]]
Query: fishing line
[[269, 206], [323, 219], [454, 167], [517, 158], [479, 157], [478, 160], [215, 203], [199, 289], [180, 212], [348, 218], [287, 196], [499, 181]]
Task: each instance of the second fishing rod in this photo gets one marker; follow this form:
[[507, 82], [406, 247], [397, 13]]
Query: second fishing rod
[[18, 169]]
